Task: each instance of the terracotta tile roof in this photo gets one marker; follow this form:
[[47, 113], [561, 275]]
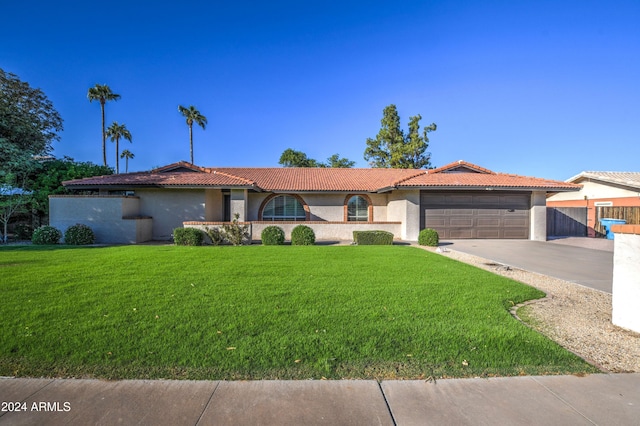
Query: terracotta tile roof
[[483, 181], [167, 179], [322, 179], [631, 179], [283, 179]]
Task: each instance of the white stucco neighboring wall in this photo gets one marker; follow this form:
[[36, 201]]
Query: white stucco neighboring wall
[[594, 190], [538, 216], [626, 281]]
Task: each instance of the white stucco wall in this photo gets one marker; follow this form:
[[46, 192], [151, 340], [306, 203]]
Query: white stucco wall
[[113, 219], [626, 281], [594, 190], [538, 216], [170, 208], [404, 207]]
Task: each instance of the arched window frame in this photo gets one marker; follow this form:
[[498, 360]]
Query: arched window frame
[[272, 196], [369, 207]]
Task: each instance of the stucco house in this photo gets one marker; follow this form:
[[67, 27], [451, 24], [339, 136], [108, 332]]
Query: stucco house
[[459, 200], [599, 189]]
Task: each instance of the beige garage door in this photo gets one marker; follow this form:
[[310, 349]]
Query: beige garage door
[[482, 214]]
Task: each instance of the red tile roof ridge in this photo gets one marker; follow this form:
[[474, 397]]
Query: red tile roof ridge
[[459, 163], [248, 181]]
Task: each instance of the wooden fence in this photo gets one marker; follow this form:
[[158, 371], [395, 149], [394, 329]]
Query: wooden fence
[[566, 221], [630, 214]]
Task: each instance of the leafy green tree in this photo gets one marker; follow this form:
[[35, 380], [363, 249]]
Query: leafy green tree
[[336, 161], [13, 200], [46, 179], [102, 93], [127, 155], [115, 132], [28, 123], [393, 149], [193, 116], [293, 158]]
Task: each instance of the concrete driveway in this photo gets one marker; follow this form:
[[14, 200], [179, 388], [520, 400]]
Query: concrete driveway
[[585, 261]]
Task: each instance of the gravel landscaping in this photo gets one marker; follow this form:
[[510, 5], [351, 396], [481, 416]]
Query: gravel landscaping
[[577, 317]]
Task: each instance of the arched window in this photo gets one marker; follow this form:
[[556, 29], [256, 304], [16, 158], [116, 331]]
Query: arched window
[[284, 207], [357, 209]]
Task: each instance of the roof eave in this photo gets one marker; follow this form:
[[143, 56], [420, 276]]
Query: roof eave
[[492, 188]]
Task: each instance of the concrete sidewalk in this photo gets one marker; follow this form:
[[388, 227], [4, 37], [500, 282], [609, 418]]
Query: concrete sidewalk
[[602, 399]]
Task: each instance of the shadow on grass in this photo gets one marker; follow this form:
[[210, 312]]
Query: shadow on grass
[[31, 247]]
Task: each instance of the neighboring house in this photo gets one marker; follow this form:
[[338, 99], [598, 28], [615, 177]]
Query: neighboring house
[[459, 200], [600, 189]]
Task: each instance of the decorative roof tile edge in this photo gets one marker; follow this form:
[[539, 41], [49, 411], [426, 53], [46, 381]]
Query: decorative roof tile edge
[[459, 163], [626, 229]]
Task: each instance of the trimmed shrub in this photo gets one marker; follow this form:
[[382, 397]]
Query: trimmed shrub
[[235, 233], [46, 235], [188, 237], [302, 235], [79, 235], [428, 237], [368, 238], [272, 236], [216, 235], [22, 231]]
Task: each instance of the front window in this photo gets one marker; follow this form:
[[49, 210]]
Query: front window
[[284, 207], [357, 209]]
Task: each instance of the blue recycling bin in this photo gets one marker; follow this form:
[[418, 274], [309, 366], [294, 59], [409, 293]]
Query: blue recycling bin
[[608, 222]]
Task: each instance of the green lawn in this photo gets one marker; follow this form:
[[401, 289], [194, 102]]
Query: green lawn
[[256, 312]]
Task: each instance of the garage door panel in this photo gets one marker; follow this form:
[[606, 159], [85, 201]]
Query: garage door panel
[[486, 200], [457, 221], [436, 222], [460, 234], [459, 200], [489, 212], [476, 215], [511, 222], [516, 233], [487, 233], [484, 222]]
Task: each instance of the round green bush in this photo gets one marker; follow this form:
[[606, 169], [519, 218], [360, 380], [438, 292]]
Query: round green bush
[[188, 237], [302, 235], [272, 236], [79, 235], [46, 235], [428, 237]]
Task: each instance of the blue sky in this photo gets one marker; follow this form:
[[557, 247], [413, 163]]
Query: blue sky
[[538, 88]]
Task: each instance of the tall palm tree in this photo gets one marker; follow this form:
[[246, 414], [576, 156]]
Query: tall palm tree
[[102, 93], [126, 154], [115, 132], [193, 116]]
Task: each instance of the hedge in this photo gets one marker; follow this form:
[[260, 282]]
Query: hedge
[[188, 237], [303, 235], [46, 235], [79, 235], [272, 236], [428, 237], [372, 238]]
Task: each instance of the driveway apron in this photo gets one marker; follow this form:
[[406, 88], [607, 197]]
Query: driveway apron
[[588, 267]]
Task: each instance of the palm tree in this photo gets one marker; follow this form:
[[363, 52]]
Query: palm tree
[[192, 115], [115, 132], [126, 154], [102, 93]]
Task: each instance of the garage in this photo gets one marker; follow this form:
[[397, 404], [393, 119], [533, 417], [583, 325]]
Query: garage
[[476, 214]]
